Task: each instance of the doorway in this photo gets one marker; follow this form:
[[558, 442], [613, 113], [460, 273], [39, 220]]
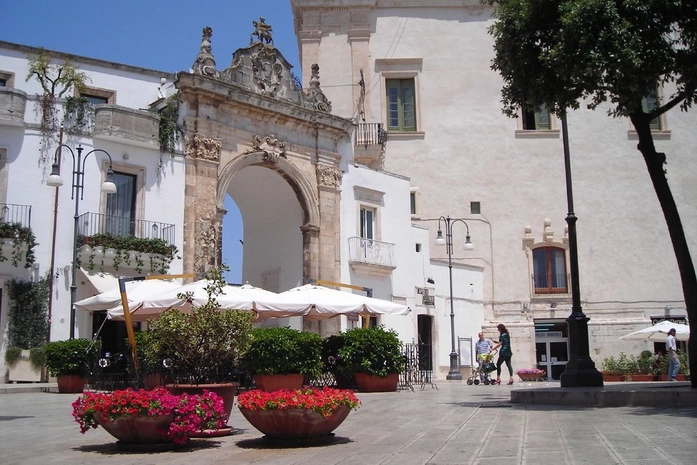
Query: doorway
[[552, 347]]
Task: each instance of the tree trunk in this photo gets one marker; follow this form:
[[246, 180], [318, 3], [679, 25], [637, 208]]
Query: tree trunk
[[655, 162]]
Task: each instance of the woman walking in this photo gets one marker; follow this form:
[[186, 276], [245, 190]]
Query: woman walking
[[505, 354]]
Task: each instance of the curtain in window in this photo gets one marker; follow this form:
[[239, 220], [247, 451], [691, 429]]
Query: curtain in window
[[120, 207]]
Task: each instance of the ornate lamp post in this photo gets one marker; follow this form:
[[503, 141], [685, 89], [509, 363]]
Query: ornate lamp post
[[580, 370], [454, 373], [55, 180]]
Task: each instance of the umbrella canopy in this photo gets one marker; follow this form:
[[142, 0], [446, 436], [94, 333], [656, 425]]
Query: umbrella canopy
[[328, 303], [136, 291], [232, 297], [659, 332]]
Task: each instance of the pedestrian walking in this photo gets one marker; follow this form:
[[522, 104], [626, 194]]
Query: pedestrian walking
[[482, 349], [673, 360], [505, 353]]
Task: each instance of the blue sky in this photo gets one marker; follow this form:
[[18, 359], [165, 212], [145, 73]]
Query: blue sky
[[158, 35]]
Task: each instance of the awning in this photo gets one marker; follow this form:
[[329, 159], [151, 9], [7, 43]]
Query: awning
[[101, 282]]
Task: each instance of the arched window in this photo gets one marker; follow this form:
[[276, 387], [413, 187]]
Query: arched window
[[549, 265]]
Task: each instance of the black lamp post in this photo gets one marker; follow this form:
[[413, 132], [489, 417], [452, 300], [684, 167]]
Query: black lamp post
[[55, 180], [580, 370], [454, 373]]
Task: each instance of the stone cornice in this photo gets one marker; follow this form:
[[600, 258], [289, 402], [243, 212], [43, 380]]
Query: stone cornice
[[230, 94]]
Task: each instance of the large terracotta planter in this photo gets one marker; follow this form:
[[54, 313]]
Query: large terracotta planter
[[271, 383], [612, 378], [531, 376], [372, 383], [640, 377], [70, 384], [295, 423], [137, 429], [678, 377]]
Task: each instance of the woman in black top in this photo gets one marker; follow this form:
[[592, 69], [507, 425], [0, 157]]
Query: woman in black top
[[505, 354]]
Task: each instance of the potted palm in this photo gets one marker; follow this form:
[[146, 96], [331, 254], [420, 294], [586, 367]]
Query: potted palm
[[374, 355], [282, 358], [69, 362], [201, 349]]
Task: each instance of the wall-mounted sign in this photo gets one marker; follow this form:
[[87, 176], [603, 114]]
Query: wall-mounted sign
[[548, 334]]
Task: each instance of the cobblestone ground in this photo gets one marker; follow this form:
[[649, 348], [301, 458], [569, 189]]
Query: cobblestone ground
[[456, 424]]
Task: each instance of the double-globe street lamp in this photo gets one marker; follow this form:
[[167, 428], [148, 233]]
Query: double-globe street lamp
[[454, 373], [55, 180]]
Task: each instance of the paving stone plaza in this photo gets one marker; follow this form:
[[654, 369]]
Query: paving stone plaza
[[454, 424]]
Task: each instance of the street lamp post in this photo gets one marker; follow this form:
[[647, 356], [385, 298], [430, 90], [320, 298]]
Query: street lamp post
[[454, 373], [55, 180], [580, 370]]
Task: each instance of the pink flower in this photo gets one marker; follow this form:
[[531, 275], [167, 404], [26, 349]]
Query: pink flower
[[324, 401]]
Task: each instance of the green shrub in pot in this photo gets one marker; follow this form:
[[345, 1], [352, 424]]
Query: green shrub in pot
[[70, 357], [280, 351], [373, 351]]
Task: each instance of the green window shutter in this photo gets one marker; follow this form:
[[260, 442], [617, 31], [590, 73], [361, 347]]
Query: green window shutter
[[401, 104], [542, 119]]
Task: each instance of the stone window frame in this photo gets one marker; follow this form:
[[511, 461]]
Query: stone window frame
[[400, 68], [549, 245], [660, 133], [554, 130], [4, 174], [108, 94], [137, 171], [369, 199], [415, 201], [8, 77]]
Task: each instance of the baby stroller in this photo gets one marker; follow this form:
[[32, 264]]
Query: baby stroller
[[484, 367]]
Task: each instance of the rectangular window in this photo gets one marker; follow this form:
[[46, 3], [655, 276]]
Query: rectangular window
[[648, 104], [95, 99], [475, 208], [412, 203], [3, 82], [401, 104], [367, 223], [536, 119], [549, 265], [120, 207]]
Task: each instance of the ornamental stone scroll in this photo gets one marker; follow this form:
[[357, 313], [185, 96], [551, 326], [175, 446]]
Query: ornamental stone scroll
[[203, 148], [270, 146], [329, 177]]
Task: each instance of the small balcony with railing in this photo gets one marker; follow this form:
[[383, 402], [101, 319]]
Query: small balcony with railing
[[108, 242], [17, 240], [370, 140], [372, 257]]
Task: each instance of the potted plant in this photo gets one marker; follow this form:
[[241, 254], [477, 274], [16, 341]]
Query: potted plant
[[641, 367], [69, 360], [281, 358], [297, 414], [612, 369], [374, 355], [27, 328], [146, 417], [148, 352], [530, 374], [683, 372], [202, 348]]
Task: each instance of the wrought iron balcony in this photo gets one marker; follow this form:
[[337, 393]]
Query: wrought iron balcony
[[13, 213], [370, 256], [91, 224], [17, 240], [369, 141]]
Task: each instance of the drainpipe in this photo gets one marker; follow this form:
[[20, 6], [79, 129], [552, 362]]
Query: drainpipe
[[53, 239]]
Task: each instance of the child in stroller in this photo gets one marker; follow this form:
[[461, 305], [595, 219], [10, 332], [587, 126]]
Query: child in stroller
[[485, 365]]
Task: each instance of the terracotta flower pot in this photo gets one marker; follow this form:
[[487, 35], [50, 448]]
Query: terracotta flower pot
[[70, 384], [137, 429], [372, 383], [611, 378], [270, 383], [636, 377], [295, 423]]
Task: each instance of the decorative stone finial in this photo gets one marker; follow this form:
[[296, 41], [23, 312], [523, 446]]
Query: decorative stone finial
[[205, 63], [315, 94], [262, 31]]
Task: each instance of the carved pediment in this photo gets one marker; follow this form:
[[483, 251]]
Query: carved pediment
[[272, 147]]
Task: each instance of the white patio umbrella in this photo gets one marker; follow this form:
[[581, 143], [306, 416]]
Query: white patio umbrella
[[328, 303], [232, 297], [136, 292], [659, 332]]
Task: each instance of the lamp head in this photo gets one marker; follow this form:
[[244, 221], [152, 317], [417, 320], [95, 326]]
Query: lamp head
[[55, 180], [109, 187], [468, 243], [439, 238]]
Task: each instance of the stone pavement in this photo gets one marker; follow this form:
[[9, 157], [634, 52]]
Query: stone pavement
[[454, 424]]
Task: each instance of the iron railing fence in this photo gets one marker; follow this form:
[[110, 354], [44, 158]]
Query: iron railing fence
[[90, 224], [14, 213], [370, 134]]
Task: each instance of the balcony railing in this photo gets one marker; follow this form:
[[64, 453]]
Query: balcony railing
[[370, 134], [371, 252], [90, 224], [551, 284], [12, 213]]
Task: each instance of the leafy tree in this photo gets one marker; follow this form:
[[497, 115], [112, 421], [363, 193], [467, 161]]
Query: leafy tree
[[558, 52]]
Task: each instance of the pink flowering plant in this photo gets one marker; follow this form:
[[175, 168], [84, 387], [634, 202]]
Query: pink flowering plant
[[191, 413], [324, 401], [530, 371]]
